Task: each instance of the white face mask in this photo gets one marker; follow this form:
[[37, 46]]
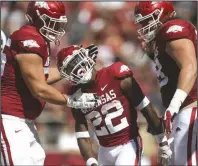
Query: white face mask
[[78, 67], [149, 31], [86, 77], [53, 29]]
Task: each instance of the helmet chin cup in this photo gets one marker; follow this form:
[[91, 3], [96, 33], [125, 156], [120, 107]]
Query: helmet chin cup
[[86, 78]]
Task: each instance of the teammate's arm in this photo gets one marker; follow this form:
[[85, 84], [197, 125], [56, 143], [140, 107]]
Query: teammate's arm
[[83, 138], [183, 52], [31, 66], [135, 96]]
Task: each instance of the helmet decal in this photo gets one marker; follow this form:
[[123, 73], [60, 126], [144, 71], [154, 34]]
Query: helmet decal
[[42, 5]]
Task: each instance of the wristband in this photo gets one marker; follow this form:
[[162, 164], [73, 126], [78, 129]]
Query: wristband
[[143, 104], [91, 161], [67, 100], [178, 99], [84, 134]]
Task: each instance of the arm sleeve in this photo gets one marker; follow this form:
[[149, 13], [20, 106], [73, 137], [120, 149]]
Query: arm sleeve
[[139, 99]]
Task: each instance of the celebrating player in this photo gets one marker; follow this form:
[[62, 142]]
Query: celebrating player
[[25, 83], [115, 119], [171, 44]]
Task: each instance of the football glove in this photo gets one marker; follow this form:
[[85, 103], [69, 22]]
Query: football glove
[[93, 51], [81, 100], [168, 118], [173, 109], [164, 153]]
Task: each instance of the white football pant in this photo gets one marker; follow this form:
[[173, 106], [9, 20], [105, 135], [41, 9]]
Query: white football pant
[[185, 134], [125, 154], [20, 144]]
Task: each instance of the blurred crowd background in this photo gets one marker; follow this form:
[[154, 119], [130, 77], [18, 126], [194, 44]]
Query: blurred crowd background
[[110, 26]]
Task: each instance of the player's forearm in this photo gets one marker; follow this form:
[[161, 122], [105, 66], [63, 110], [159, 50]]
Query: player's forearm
[[49, 94], [155, 125], [187, 78], [153, 120], [52, 80], [85, 146]]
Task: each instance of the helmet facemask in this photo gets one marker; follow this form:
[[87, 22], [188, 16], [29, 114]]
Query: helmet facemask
[[78, 67], [53, 29], [152, 23]]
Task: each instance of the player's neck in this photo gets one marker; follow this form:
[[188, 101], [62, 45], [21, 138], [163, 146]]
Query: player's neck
[[93, 77], [94, 72]]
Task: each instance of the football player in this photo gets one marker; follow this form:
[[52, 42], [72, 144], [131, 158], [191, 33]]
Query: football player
[[115, 119], [25, 83], [171, 44]]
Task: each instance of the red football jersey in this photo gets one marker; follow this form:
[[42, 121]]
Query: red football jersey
[[16, 98], [115, 120], [166, 67]]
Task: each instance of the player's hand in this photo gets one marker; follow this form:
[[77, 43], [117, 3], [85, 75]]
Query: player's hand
[[164, 153], [81, 100], [168, 118], [93, 51]]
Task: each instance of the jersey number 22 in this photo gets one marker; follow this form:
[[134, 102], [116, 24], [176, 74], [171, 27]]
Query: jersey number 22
[[108, 128]]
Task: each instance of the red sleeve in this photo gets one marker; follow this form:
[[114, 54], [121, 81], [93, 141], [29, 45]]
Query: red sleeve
[[176, 29], [24, 41], [120, 70]]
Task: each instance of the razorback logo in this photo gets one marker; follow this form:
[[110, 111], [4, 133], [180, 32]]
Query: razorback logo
[[175, 28], [42, 5], [30, 43], [124, 68]]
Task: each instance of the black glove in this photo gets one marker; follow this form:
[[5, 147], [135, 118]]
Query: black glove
[[93, 51]]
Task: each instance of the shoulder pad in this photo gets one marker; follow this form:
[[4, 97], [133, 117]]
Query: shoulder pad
[[120, 70], [175, 29], [28, 40]]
